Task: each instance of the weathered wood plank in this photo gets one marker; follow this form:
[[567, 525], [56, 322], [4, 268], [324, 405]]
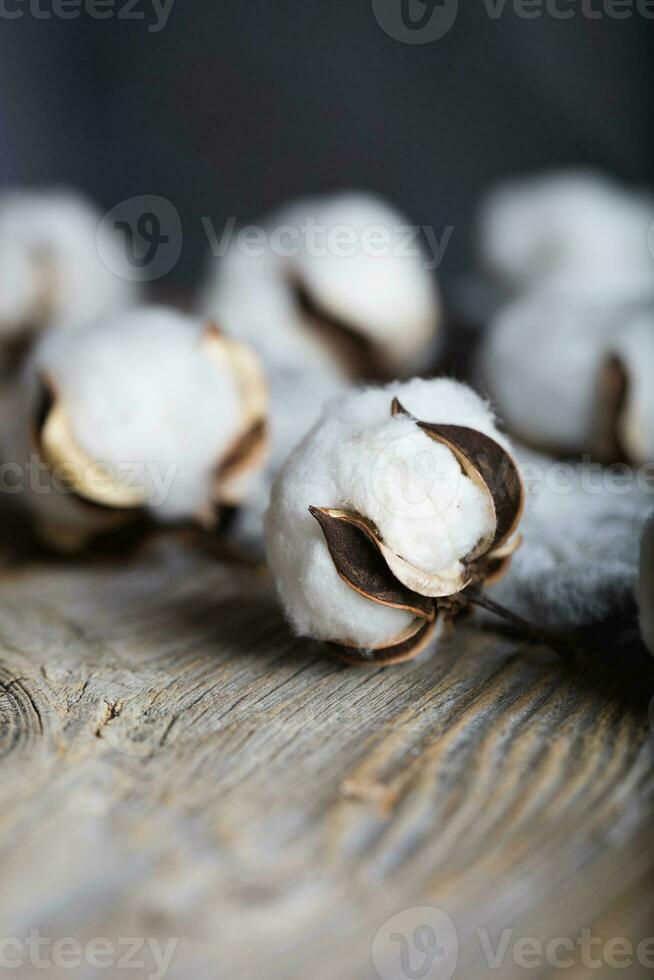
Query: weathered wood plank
[[175, 763]]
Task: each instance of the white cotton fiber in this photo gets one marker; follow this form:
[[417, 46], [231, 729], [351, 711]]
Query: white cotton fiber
[[349, 252], [50, 265], [540, 363], [296, 401], [360, 458], [581, 530], [646, 586], [143, 396], [569, 231], [382, 291]]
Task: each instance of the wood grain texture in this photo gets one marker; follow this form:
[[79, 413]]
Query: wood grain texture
[[175, 764]]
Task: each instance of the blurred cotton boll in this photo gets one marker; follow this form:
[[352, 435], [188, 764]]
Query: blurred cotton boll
[[337, 290], [573, 375], [340, 285], [568, 232], [50, 265], [146, 411], [541, 362], [379, 287]]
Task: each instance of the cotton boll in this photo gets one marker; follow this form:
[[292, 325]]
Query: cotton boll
[[321, 280], [541, 364], [581, 531], [252, 294], [360, 458], [59, 519], [379, 286], [152, 397], [548, 363], [646, 586], [318, 319], [574, 231], [50, 265]]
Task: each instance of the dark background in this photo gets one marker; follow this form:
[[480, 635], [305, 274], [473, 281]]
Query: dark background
[[239, 104]]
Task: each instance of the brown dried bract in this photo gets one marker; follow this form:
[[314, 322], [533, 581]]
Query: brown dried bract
[[489, 465], [356, 552], [251, 444], [407, 646], [610, 433], [359, 358], [493, 466], [78, 472]]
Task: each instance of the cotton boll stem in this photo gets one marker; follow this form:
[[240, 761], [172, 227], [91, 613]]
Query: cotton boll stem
[[478, 598]]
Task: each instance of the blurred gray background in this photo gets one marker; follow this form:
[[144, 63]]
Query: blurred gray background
[[235, 106]]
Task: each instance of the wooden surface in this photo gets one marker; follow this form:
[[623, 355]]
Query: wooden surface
[[176, 764]]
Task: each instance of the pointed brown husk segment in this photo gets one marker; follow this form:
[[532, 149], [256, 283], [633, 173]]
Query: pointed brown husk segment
[[361, 565], [496, 468], [404, 647], [487, 463], [612, 395]]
